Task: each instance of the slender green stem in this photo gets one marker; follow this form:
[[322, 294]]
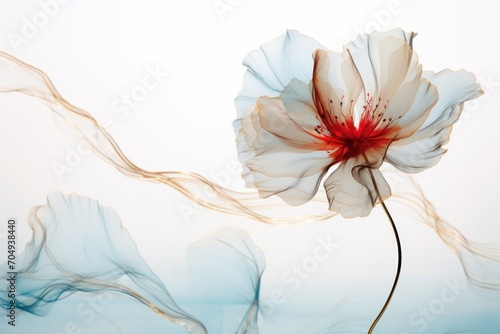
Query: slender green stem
[[400, 253]]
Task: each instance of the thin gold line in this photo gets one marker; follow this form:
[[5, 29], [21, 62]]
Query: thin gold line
[[400, 253], [396, 280]]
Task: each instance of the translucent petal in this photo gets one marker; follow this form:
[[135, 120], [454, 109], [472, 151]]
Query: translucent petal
[[423, 149], [351, 191], [225, 270], [411, 105], [274, 65], [280, 157], [336, 82], [454, 88], [298, 103], [375, 55], [245, 136], [293, 190], [275, 119]]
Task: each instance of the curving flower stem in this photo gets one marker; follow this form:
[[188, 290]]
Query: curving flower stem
[[396, 279], [400, 254]]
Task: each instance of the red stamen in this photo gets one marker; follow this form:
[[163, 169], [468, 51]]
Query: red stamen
[[346, 140]]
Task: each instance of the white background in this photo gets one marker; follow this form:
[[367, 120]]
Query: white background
[[96, 51]]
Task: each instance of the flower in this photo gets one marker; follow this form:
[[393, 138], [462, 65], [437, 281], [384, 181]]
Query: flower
[[304, 109]]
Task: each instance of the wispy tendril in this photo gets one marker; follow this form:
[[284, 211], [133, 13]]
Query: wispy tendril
[[51, 272], [17, 76], [481, 262]]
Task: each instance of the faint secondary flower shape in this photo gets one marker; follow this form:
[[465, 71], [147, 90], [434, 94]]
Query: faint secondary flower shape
[[226, 268], [304, 109], [81, 246]]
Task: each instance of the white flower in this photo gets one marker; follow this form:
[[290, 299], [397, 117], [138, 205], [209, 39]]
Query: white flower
[[304, 108]]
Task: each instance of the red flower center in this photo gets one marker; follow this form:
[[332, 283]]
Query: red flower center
[[345, 139]]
